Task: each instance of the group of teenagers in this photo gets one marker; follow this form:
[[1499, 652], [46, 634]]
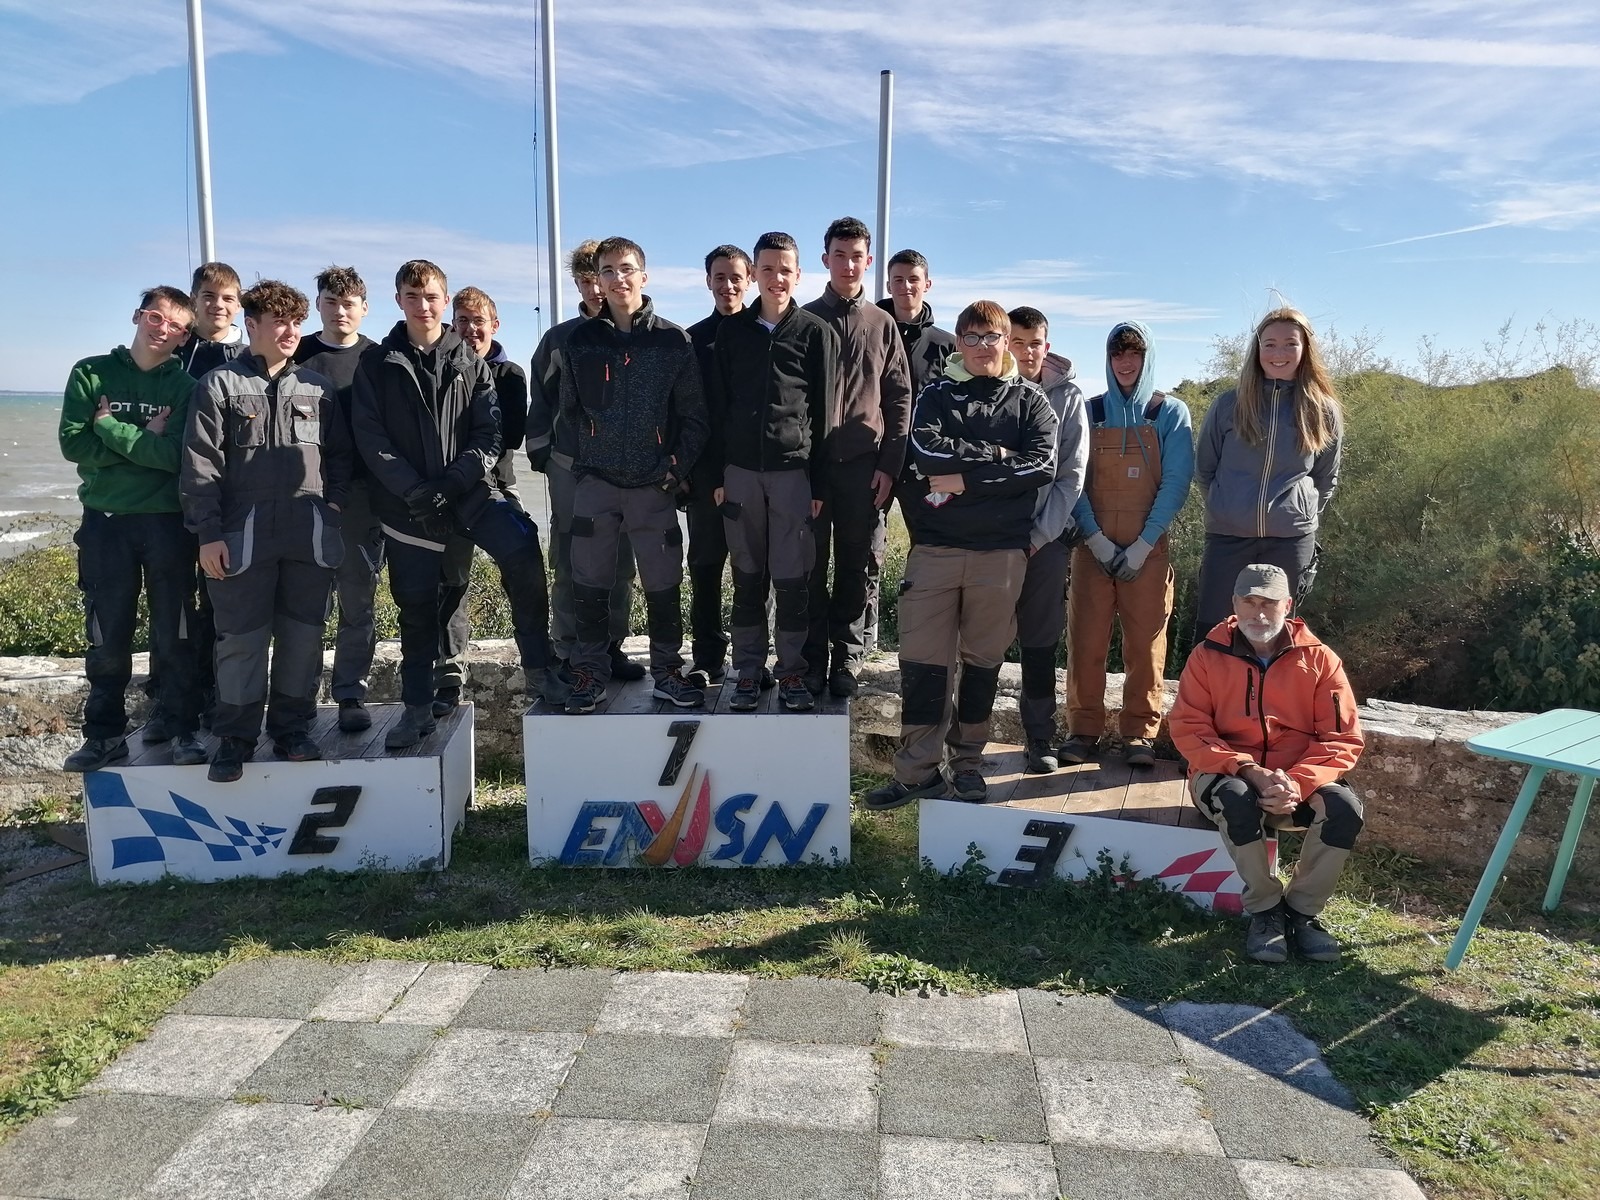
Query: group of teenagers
[[291, 468]]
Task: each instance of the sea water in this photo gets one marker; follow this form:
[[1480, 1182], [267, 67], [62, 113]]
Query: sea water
[[38, 488]]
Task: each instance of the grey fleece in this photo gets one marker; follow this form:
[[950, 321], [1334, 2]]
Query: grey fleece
[[1271, 490], [1052, 515]]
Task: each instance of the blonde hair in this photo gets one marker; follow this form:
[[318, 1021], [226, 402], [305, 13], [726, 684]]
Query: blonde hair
[[1316, 409]]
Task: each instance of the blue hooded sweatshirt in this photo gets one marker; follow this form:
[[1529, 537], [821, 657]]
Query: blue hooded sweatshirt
[[1174, 429]]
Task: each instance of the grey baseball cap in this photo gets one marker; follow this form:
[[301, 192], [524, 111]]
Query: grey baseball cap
[[1263, 579]]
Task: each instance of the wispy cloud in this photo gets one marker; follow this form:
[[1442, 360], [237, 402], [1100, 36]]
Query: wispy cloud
[[1551, 206]]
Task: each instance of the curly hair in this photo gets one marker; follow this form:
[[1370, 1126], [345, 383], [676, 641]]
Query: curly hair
[[274, 298]]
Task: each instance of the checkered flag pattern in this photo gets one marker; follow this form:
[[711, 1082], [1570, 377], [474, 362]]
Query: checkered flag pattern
[[227, 840]]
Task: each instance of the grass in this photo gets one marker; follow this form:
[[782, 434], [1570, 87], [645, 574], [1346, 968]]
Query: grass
[[1485, 1081]]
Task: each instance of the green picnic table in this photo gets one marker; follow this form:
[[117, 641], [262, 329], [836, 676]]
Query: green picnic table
[[1564, 739]]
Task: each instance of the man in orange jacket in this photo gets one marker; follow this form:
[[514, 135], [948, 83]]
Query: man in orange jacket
[[1267, 721]]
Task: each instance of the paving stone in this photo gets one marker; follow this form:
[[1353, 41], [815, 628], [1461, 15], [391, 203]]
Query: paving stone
[[914, 1168], [198, 1057], [987, 1023], [1100, 1172], [98, 1147], [680, 1003], [433, 1156], [576, 1158], [644, 1078], [436, 997], [360, 1063], [760, 1162], [1096, 1029], [537, 1001], [1242, 1037], [960, 1094], [834, 1011], [277, 986], [1307, 1119], [806, 1086], [490, 1071], [1280, 1181], [1124, 1105], [262, 1152], [368, 991]]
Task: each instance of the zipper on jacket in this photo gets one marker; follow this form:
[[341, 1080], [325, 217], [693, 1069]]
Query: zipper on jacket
[[1249, 690], [1338, 722], [1266, 465]]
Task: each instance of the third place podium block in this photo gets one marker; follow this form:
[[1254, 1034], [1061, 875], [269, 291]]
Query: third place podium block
[[641, 783]]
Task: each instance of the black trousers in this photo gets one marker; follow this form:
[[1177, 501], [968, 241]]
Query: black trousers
[[708, 555], [843, 533], [1041, 618]]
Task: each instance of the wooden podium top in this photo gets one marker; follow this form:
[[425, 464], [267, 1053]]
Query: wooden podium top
[[634, 699]]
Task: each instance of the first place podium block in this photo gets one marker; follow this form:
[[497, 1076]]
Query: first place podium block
[[359, 807], [640, 783]]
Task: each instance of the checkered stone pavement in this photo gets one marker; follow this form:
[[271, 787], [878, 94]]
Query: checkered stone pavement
[[284, 1077]]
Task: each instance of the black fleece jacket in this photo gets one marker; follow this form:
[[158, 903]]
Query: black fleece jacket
[[632, 401], [928, 347], [771, 392]]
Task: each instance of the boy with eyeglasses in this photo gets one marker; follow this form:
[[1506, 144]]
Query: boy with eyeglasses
[[122, 423], [984, 442], [630, 393]]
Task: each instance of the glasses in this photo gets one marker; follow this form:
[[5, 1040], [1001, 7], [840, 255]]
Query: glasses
[[982, 339], [160, 324], [612, 274], [470, 321]]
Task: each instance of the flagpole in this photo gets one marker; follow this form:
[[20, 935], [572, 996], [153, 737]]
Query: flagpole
[[885, 135], [202, 136], [552, 168]]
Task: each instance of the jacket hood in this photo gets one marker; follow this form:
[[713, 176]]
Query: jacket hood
[[1225, 636], [397, 339], [643, 317], [1057, 369], [497, 353], [923, 320], [124, 357], [1145, 388], [955, 368]]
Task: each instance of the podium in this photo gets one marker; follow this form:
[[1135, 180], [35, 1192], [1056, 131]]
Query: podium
[[642, 783], [359, 807], [1036, 827]]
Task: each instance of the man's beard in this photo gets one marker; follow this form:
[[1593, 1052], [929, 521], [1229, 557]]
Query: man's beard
[[1262, 634]]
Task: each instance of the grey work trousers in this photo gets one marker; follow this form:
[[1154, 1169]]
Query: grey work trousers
[[563, 619], [356, 583], [602, 514], [767, 516]]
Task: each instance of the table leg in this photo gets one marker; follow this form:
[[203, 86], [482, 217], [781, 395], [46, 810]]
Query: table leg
[[1497, 864], [1569, 842]]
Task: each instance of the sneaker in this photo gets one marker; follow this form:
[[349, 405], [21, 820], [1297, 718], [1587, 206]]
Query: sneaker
[[842, 683], [353, 716], [816, 680], [416, 723], [158, 727], [96, 753], [768, 680], [1042, 758], [746, 696], [296, 747], [587, 691], [623, 668], [444, 699], [1264, 939], [675, 689], [894, 793], [1311, 938], [794, 695], [969, 786], [187, 750], [1139, 752], [228, 762], [1076, 749]]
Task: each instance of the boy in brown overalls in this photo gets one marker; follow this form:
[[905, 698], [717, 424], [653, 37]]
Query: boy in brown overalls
[[1141, 460]]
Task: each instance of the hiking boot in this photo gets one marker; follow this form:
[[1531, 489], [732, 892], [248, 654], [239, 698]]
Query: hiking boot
[[1139, 752], [354, 716], [1311, 938], [1076, 749], [794, 695], [842, 683], [296, 747], [158, 727], [187, 750], [416, 723], [623, 668], [815, 682], [768, 680], [675, 689], [1042, 758], [894, 793], [444, 699], [969, 786], [587, 692], [553, 685], [1264, 939], [96, 753], [746, 696], [228, 762]]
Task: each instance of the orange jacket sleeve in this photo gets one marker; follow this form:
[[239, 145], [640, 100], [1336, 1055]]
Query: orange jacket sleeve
[[1193, 726], [1337, 742]]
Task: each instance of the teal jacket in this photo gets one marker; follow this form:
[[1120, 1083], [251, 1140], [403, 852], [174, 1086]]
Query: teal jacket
[[124, 467]]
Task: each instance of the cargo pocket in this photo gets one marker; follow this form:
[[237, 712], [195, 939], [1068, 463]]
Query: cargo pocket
[[247, 424], [306, 422], [731, 510], [241, 544]]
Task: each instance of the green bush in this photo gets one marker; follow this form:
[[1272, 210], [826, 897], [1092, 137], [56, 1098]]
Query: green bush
[[41, 609]]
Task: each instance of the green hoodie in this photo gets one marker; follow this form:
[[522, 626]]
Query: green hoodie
[[125, 469]]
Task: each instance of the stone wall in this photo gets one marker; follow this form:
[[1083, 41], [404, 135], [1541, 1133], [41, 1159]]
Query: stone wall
[[1426, 794]]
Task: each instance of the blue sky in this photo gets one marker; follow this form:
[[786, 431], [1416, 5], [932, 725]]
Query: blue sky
[[1430, 168]]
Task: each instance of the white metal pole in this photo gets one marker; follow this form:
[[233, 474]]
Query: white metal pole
[[885, 136], [202, 135], [552, 171]]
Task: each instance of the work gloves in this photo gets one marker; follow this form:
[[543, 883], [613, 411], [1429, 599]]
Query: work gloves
[[1105, 551], [429, 507], [1127, 565]]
